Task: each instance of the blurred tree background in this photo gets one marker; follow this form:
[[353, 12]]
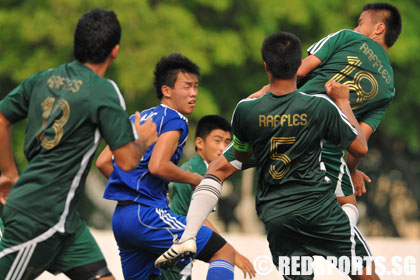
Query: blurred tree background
[[224, 37]]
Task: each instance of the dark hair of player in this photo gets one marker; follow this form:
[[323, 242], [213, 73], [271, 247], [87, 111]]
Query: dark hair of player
[[97, 33], [209, 123], [167, 69], [282, 53], [391, 18]]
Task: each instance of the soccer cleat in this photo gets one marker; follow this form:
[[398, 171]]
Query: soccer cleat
[[178, 251]]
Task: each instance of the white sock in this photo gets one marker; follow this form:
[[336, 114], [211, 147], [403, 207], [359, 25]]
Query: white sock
[[203, 201], [352, 213]]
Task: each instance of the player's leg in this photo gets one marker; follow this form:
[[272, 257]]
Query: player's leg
[[137, 229], [222, 168], [81, 257], [161, 227], [339, 175], [328, 232], [285, 242]]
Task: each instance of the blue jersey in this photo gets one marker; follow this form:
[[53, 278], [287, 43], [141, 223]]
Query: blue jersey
[[140, 185]]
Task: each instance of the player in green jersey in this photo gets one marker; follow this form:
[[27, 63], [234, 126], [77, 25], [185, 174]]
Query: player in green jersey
[[284, 129], [68, 109], [212, 136], [357, 58]]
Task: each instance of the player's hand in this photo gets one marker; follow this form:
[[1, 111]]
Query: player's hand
[[6, 184], [245, 265], [147, 132], [337, 92], [359, 178], [261, 92]]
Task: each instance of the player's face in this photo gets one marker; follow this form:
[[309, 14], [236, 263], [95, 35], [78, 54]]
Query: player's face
[[184, 93], [213, 145], [366, 24]]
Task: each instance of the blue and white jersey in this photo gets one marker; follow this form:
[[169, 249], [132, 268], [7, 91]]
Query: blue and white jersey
[[140, 185]]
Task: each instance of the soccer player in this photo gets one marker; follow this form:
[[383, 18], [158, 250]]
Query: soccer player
[[359, 60], [212, 136], [143, 224], [284, 129], [68, 109]]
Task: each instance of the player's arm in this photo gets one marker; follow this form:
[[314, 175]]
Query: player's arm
[[160, 163], [358, 177], [128, 156], [340, 95], [9, 173], [104, 162], [242, 150], [309, 63], [241, 261]]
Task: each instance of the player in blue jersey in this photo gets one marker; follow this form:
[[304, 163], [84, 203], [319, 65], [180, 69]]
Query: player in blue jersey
[[143, 224]]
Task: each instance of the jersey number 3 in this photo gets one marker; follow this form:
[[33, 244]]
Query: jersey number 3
[[47, 107]]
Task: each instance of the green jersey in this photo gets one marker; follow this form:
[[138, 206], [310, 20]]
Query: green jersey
[[355, 60], [67, 109], [182, 193], [284, 133]]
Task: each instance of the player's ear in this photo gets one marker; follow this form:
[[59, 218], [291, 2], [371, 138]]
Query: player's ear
[[114, 51], [380, 28], [199, 143], [266, 67], [166, 91]]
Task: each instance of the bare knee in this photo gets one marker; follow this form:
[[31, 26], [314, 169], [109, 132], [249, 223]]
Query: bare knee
[[347, 199], [226, 253]]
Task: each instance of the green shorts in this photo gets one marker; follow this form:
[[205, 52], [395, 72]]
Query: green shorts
[[322, 231], [28, 248], [339, 174]]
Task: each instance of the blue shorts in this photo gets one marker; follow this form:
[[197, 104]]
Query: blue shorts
[[143, 233]]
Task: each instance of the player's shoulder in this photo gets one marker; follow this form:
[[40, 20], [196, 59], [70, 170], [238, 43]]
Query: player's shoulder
[[318, 99], [171, 114], [249, 102]]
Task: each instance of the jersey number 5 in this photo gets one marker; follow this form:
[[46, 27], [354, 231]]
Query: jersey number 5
[[275, 155], [47, 107]]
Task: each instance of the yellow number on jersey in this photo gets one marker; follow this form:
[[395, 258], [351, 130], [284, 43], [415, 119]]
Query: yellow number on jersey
[[274, 155], [47, 106], [356, 84]]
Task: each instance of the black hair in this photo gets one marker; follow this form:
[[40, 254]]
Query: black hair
[[167, 69], [392, 20], [97, 33], [209, 123], [282, 53]]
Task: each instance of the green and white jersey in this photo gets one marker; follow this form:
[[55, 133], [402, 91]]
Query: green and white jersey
[[67, 108], [182, 193], [285, 134], [355, 60]]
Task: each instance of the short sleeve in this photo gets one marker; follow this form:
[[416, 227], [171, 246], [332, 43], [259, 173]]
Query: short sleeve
[[15, 105], [174, 124], [325, 48], [336, 127], [112, 119], [240, 139], [374, 117]]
